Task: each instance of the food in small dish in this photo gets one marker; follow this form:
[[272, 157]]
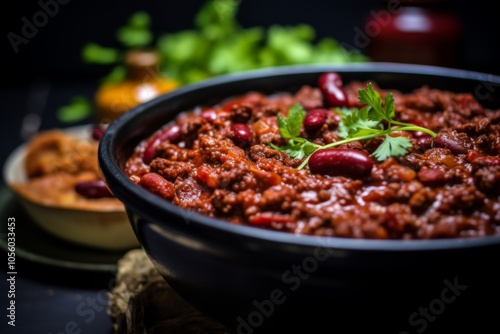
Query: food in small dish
[[351, 161], [57, 176]]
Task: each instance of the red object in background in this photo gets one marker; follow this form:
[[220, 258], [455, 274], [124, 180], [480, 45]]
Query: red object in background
[[419, 32]]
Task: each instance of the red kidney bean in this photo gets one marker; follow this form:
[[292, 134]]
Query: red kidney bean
[[488, 160], [315, 119], [330, 84], [423, 139], [210, 115], [97, 131], [330, 77], [420, 134], [242, 135], [425, 142], [340, 162], [93, 189], [157, 185], [454, 142], [171, 133]]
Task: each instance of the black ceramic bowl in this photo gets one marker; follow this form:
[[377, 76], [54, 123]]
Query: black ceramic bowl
[[255, 280]]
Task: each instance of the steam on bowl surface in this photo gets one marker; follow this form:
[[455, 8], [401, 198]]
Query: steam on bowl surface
[[255, 280]]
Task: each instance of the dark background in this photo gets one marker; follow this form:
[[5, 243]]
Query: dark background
[[55, 50]]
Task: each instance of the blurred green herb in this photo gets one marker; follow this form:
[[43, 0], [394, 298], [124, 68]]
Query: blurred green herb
[[94, 53], [217, 45], [78, 109], [136, 34]]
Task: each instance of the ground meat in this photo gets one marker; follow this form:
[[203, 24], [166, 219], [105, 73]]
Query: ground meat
[[241, 113], [171, 170], [447, 187], [309, 98]]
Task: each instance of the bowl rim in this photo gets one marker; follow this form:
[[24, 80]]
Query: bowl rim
[[114, 173]]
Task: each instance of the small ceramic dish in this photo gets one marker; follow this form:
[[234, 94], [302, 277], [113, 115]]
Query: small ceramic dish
[[101, 224]]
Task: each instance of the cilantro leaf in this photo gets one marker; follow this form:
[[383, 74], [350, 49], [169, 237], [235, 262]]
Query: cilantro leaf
[[296, 148], [295, 117], [392, 147], [309, 148], [389, 106], [283, 127], [289, 126], [371, 97], [356, 123]]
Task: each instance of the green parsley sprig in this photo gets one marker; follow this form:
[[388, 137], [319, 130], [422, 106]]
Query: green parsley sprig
[[376, 119], [289, 127]]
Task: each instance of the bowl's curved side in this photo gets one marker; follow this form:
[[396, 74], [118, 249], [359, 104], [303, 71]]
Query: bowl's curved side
[[262, 286]]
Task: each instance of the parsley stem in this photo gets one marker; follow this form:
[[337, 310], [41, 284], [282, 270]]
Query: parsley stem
[[412, 127]]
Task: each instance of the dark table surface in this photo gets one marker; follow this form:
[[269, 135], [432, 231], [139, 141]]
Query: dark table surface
[[53, 300]]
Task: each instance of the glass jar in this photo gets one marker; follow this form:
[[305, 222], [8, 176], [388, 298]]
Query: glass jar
[[142, 83], [418, 31]]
